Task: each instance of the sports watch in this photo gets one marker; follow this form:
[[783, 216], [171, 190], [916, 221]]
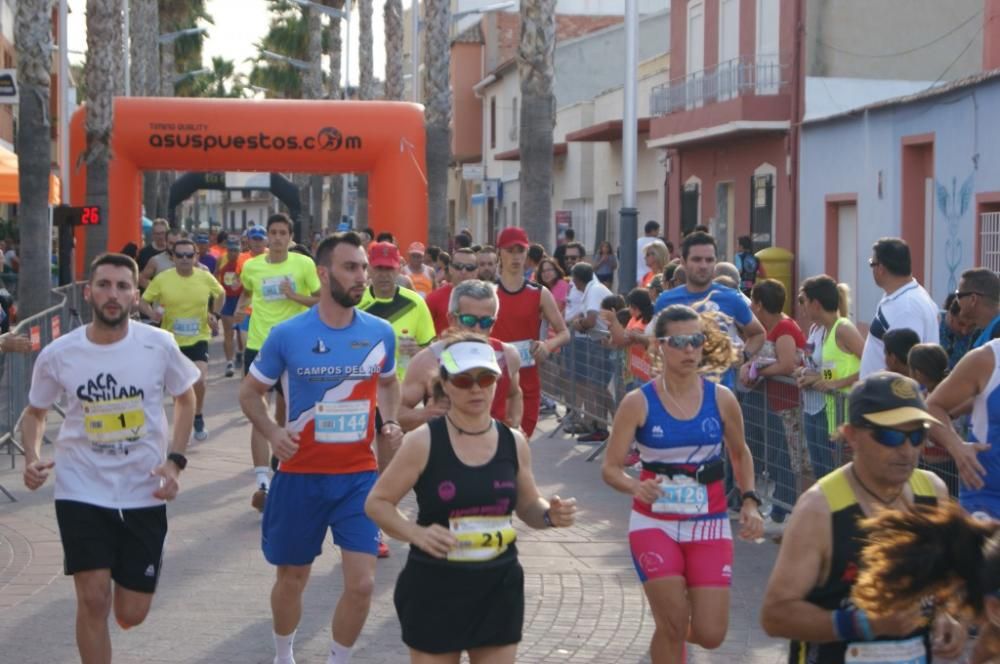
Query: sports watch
[[752, 495], [179, 460]]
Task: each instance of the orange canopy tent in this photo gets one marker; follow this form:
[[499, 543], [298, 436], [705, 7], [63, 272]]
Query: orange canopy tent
[[9, 180]]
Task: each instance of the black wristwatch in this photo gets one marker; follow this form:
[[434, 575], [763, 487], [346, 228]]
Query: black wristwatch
[[178, 459], [752, 495]]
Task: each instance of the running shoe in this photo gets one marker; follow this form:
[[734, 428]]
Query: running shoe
[[383, 549], [259, 498], [200, 432], [229, 370]]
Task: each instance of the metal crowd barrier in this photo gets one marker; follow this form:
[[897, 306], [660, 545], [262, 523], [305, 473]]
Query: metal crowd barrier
[[68, 311], [793, 435]]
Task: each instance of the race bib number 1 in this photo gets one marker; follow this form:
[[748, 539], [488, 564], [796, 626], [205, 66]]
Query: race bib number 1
[[682, 495], [909, 651], [116, 421], [524, 350], [341, 421], [480, 537]]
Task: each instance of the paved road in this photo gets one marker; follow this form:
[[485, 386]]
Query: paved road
[[584, 603]]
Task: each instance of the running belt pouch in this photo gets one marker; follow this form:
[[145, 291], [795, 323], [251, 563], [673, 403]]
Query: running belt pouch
[[713, 471]]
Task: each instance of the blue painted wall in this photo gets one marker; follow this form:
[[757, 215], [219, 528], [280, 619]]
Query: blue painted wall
[[846, 156]]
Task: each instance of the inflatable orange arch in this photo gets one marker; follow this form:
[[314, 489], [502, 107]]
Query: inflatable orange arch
[[383, 139]]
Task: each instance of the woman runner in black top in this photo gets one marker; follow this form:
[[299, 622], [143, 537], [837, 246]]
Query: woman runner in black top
[[462, 588]]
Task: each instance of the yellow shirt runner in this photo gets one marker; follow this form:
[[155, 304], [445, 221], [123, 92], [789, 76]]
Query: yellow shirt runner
[[185, 303]]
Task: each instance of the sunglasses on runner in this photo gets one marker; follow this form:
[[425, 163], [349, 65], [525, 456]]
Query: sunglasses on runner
[[680, 341], [464, 381], [896, 437], [468, 320], [468, 267], [186, 254]]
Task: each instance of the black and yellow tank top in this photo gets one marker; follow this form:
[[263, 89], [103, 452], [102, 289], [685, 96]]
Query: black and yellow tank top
[[834, 593]]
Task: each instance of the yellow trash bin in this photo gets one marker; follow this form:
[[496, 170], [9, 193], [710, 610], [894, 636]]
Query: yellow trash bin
[[777, 264]]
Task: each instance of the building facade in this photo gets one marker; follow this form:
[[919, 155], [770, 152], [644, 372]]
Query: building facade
[[744, 75], [924, 167]]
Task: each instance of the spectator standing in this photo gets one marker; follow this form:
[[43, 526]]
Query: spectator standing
[[748, 265], [698, 291], [833, 357], [781, 355], [605, 263], [905, 303], [978, 298], [651, 233], [956, 334], [656, 257], [898, 343], [632, 337], [591, 361], [552, 277], [569, 235], [536, 253]]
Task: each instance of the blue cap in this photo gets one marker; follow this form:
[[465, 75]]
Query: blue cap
[[232, 243], [256, 233], [201, 238]]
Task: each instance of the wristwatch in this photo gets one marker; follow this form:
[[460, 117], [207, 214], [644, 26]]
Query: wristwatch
[[752, 495], [178, 460]]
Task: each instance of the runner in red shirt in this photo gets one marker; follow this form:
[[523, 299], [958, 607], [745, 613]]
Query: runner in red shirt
[[473, 308], [463, 267], [523, 305], [230, 280]]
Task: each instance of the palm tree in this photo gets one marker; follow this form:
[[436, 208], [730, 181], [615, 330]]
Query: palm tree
[[438, 104], [393, 16], [538, 112], [104, 80], [223, 81], [366, 90], [33, 27], [144, 26]]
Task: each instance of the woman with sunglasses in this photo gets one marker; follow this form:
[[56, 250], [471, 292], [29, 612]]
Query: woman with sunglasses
[[808, 598], [679, 530], [462, 589]]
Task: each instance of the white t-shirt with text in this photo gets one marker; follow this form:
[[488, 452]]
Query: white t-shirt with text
[[115, 431]]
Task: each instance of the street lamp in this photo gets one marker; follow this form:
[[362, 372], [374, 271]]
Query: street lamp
[[495, 7], [322, 9], [171, 37], [191, 74], [415, 28], [294, 62]]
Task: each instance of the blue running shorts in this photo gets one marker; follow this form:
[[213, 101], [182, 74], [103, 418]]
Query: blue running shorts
[[300, 507]]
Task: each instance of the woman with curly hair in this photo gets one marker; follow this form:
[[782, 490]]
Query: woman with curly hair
[[941, 553], [679, 530]]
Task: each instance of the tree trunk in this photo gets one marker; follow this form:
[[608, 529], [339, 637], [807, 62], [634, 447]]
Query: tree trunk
[[166, 178], [34, 147], [393, 16], [437, 97], [313, 89], [536, 69], [336, 180], [366, 90], [104, 78], [144, 24]]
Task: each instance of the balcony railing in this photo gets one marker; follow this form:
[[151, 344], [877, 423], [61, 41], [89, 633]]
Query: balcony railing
[[746, 75]]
